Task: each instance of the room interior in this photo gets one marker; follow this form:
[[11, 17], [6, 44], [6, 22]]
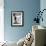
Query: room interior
[[19, 36]]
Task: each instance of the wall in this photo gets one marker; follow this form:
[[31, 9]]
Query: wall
[[30, 7], [43, 6]]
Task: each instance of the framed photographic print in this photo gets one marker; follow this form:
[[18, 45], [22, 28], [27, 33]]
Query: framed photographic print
[[17, 18]]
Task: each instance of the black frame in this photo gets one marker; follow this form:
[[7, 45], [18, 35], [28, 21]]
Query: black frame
[[22, 19]]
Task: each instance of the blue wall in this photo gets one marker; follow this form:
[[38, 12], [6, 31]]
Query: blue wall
[[29, 7], [43, 6]]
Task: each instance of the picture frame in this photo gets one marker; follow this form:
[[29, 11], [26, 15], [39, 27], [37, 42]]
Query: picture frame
[[17, 18]]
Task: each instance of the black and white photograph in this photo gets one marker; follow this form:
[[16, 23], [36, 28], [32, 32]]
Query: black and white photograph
[[17, 18]]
